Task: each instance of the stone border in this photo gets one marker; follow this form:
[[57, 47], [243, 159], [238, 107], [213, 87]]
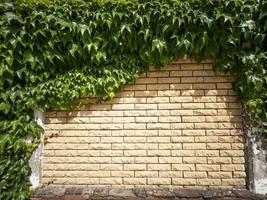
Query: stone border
[[103, 193]]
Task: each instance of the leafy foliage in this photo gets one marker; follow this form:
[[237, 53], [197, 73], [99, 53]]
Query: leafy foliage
[[54, 51]]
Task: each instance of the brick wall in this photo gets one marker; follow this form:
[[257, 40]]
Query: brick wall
[[178, 127]]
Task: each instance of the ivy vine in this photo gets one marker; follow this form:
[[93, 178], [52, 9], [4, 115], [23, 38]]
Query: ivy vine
[[54, 51]]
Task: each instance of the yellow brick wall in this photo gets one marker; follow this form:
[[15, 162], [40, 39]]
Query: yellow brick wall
[[177, 127]]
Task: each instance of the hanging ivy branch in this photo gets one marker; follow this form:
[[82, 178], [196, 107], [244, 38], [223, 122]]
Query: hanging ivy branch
[[54, 51]]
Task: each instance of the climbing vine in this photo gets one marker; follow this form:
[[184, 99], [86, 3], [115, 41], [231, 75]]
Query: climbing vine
[[54, 51]]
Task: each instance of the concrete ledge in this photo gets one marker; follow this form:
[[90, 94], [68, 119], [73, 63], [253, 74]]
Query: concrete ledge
[[104, 193]]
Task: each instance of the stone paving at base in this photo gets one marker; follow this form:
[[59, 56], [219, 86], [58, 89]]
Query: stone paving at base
[[53, 193]]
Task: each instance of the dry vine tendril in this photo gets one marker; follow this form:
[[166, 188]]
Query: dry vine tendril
[[54, 51]]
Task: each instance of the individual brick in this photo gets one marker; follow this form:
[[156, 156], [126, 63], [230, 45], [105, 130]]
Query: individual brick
[[195, 175]]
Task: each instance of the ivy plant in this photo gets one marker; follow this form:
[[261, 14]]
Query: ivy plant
[[54, 51]]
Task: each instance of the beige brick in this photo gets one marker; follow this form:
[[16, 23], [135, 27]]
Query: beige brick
[[134, 100], [206, 139], [195, 175], [134, 181], [181, 99], [192, 105], [146, 119], [170, 132], [231, 153], [159, 181], [218, 132], [123, 120], [183, 167], [99, 119], [170, 119], [182, 139], [158, 153], [111, 167], [238, 160], [204, 73], [239, 175], [145, 93], [146, 160], [169, 80], [122, 173], [110, 181], [170, 174], [192, 79], [216, 92], [217, 118], [232, 167], [158, 126], [169, 93], [215, 105], [111, 139], [207, 153], [193, 132], [219, 160], [181, 112], [194, 146], [146, 80], [147, 146], [206, 125], [171, 106], [218, 146], [192, 93], [99, 160], [135, 152], [123, 160], [97, 174], [205, 112], [99, 146], [181, 73], [234, 182], [182, 126], [158, 113], [230, 139], [136, 167], [158, 74], [146, 106], [183, 181], [125, 94], [159, 167], [111, 152], [145, 174], [134, 113], [112, 126], [224, 85], [218, 175], [170, 159], [134, 139], [87, 167], [122, 106], [135, 87], [209, 182], [134, 126], [158, 86], [193, 119], [208, 167], [189, 160], [183, 152], [181, 86], [170, 146], [206, 86]]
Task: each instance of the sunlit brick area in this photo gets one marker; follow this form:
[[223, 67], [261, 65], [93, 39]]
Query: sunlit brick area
[[177, 127]]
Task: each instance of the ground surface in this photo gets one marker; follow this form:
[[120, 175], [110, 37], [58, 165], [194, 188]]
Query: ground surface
[[142, 194]]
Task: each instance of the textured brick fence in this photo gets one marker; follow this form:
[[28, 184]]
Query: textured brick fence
[[177, 127]]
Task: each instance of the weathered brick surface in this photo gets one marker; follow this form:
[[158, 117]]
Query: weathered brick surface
[[178, 127]]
